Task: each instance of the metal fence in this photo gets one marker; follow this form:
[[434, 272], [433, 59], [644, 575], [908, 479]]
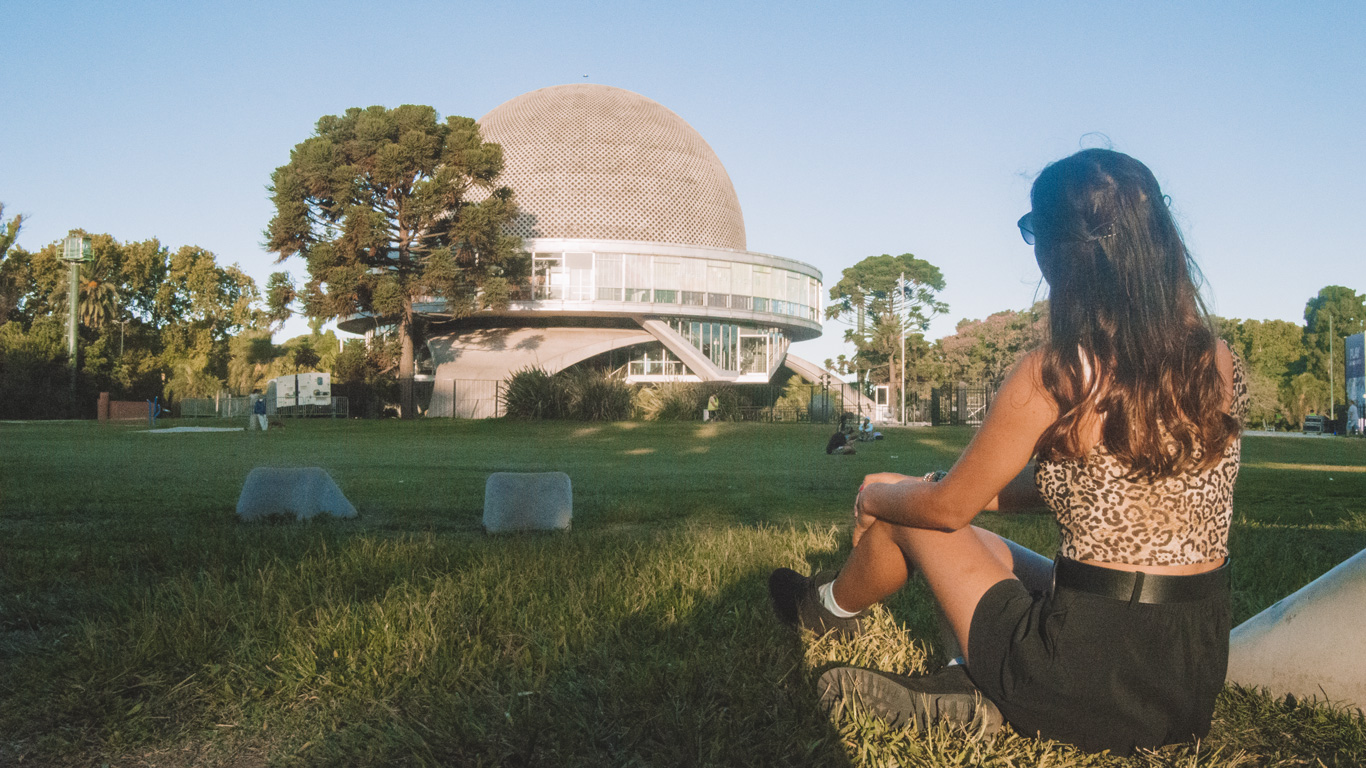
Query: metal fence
[[960, 404], [462, 398], [229, 407], [817, 404], [480, 399]]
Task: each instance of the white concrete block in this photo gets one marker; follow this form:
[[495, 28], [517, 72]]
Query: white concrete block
[[527, 501], [1311, 644], [300, 493]]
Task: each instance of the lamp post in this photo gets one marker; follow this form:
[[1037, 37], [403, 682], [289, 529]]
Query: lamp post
[[123, 326], [901, 321], [75, 250]]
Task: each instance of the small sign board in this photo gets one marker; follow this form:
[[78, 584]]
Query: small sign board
[[1356, 369], [303, 389]]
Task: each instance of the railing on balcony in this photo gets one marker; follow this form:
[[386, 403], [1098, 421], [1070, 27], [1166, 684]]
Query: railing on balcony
[[666, 296], [657, 368]]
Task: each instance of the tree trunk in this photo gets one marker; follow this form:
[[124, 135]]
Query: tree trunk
[[407, 403]]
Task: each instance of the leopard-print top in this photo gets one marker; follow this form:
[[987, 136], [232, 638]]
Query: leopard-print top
[[1174, 521]]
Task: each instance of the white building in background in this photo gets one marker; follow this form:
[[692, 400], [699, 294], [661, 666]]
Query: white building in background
[[639, 260]]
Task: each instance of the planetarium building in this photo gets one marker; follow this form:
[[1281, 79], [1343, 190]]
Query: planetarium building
[[639, 259]]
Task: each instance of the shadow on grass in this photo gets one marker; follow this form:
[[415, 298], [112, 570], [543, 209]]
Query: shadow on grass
[[321, 645], [715, 682]]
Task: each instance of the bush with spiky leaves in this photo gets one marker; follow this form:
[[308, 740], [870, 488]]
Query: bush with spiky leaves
[[678, 401], [532, 393], [595, 396]]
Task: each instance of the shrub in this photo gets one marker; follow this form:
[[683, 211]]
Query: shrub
[[588, 395], [679, 401], [531, 393], [595, 396]]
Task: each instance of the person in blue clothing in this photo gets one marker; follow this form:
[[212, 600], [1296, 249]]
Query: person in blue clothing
[[258, 410]]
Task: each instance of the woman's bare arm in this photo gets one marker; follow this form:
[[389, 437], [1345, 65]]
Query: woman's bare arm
[[1021, 494], [990, 472]]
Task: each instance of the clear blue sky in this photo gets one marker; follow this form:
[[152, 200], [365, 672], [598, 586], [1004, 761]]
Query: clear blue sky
[[849, 130]]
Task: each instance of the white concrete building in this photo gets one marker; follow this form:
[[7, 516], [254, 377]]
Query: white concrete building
[[639, 259]]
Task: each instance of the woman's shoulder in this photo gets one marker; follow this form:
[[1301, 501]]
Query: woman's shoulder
[[1233, 370], [1024, 383]]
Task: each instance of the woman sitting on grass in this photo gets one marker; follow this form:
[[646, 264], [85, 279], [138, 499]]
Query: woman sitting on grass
[[1132, 411]]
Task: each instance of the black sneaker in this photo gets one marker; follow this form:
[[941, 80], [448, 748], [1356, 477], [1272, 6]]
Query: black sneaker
[[798, 603], [946, 696]]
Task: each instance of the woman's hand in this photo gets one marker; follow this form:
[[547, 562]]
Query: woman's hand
[[863, 519]]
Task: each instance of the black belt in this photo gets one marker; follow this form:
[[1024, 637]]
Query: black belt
[[1137, 586]]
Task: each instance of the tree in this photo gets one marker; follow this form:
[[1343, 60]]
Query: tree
[[1347, 310], [389, 205], [1274, 352], [280, 294], [251, 354], [1304, 393], [867, 299], [170, 308], [985, 350], [97, 294], [9, 282]]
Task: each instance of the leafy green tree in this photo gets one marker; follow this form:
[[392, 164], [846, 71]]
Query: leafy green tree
[[868, 300], [191, 377], [1343, 311], [280, 295], [1274, 352], [1264, 400], [33, 370], [1305, 392], [145, 312], [985, 350], [363, 373], [10, 269], [250, 355], [97, 294], [391, 205]]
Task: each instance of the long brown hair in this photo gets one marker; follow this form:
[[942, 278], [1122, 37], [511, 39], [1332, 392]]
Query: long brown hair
[[1129, 340]]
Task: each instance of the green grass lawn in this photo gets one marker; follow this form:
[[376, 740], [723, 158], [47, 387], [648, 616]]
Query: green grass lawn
[[141, 624]]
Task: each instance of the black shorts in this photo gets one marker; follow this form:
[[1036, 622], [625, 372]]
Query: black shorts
[[1099, 672]]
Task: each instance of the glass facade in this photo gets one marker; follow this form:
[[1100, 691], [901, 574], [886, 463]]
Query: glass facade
[[655, 279], [733, 347], [655, 359]]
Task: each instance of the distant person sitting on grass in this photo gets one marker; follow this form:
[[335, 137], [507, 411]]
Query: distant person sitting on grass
[[839, 442], [866, 433], [1132, 411]]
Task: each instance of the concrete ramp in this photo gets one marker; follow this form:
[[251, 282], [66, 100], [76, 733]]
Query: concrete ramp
[[1311, 644], [853, 401]]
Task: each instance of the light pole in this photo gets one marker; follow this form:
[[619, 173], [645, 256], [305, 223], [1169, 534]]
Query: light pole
[[1332, 363], [123, 325], [901, 321], [75, 250]]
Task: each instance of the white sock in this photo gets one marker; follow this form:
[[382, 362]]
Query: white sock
[[827, 591]]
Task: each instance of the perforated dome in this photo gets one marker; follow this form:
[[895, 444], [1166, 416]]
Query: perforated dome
[[595, 162]]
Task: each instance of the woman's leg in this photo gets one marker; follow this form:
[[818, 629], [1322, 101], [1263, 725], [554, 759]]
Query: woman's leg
[[959, 566]]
